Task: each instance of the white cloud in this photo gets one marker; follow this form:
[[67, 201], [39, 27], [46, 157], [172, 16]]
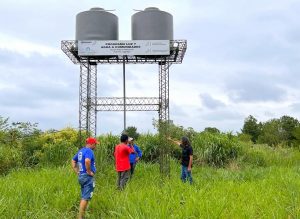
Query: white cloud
[[242, 59], [210, 102], [25, 48]]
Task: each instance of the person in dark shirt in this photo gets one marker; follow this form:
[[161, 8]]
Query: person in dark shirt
[[186, 159]]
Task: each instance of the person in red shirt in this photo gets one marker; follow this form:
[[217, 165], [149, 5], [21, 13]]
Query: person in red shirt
[[121, 154]]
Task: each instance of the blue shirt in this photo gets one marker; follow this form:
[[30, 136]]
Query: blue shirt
[[80, 157], [133, 156]]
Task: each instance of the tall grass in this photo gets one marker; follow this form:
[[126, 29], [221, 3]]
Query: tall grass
[[104, 152], [263, 155], [215, 149], [264, 183], [262, 192]]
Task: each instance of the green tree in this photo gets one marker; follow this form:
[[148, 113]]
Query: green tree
[[132, 132], [270, 133], [252, 128], [176, 131], [287, 127], [27, 136], [3, 123], [190, 132], [212, 130], [3, 129], [296, 136]]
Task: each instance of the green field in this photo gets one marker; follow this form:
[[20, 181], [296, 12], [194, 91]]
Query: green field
[[271, 191]]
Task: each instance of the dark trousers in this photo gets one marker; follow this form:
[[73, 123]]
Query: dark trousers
[[123, 177], [132, 167]]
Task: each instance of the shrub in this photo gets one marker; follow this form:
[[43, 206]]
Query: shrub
[[9, 158], [150, 147], [244, 137], [30, 146], [215, 149], [105, 150], [255, 158], [263, 155], [57, 147], [56, 154]]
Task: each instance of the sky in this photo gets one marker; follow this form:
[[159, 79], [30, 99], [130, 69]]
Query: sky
[[242, 58]]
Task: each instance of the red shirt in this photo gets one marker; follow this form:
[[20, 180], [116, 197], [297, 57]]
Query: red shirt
[[122, 152]]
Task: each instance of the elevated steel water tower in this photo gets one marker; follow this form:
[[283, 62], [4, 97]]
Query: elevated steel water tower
[[97, 43]]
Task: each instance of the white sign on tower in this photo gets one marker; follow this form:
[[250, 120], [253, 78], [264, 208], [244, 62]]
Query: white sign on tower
[[123, 47]]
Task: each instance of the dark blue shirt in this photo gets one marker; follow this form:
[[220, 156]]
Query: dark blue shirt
[[80, 157], [137, 153], [187, 151]]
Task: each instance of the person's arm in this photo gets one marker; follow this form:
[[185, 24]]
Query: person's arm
[[174, 141], [191, 159], [74, 166], [139, 151], [190, 163], [87, 162], [131, 149]]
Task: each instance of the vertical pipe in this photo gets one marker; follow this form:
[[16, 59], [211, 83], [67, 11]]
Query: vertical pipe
[[94, 91], [88, 98], [124, 93]]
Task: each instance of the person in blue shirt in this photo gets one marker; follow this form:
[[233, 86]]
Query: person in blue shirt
[[83, 163], [134, 157]]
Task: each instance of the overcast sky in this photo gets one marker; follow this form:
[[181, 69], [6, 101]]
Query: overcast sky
[[243, 58]]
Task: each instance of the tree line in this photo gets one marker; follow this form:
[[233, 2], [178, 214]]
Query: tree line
[[23, 144], [284, 131]]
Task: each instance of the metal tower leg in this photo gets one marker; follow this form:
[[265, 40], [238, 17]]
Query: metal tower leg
[[163, 115], [87, 100], [164, 91]]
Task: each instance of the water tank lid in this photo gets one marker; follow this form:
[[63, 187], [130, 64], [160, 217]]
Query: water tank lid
[[97, 9], [152, 9]]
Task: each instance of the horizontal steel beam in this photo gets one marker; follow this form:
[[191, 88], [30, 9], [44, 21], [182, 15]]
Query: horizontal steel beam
[[131, 104]]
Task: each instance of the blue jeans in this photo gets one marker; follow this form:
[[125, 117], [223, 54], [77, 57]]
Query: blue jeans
[[185, 174], [87, 185]]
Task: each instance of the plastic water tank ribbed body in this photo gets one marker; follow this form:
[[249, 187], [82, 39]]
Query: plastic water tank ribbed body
[[96, 24], [152, 24]]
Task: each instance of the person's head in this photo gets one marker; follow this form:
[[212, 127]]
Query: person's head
[[185, 141], [91, 143], [124, 138], [130, 140]]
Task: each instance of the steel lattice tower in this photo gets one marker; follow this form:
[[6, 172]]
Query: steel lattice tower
[[90, 103], [87, 99]]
